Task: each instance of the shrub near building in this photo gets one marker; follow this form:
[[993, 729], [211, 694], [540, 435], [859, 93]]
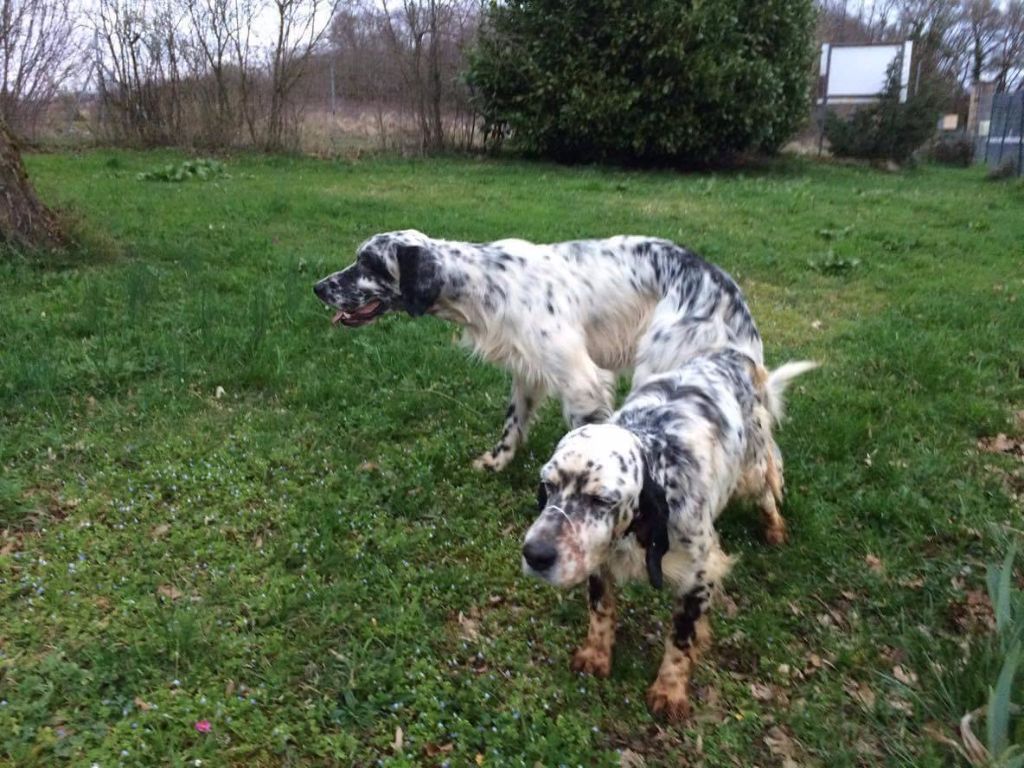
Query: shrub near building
[[647, 80], [888, 129]]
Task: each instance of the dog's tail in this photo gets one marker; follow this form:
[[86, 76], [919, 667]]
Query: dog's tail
[[773, 385]]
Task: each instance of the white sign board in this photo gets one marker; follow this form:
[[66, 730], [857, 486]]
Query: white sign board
[[857, 73]]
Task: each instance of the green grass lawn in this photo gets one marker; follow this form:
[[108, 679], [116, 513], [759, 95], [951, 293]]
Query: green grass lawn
[[216, 507]]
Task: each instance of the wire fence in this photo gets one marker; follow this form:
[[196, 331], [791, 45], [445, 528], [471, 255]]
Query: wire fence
[[1004, 144]]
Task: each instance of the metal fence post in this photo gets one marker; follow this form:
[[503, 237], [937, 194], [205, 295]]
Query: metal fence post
[[988, 135], [1008, 101], [1020, 135]]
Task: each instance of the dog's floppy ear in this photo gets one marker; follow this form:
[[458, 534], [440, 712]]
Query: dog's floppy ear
[[419, 280], [650, 525], [542, 497]]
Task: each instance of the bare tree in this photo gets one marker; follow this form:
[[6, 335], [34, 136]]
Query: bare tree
[[137, 71], [981, 23], [429, 39], [857, 21], [197, 72], [240, 25], [211, 28], [39, 54], [1008, 58], [300, 27]]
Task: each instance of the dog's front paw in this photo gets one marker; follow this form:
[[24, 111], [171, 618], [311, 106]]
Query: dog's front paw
[[591, 660], [491, 462], [670, 702], [775, 534]]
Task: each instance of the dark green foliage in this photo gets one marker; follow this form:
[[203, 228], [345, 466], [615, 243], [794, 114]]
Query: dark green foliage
[[202, 168], [956, 151], [656, 81], [1005, 170], [887, 129]]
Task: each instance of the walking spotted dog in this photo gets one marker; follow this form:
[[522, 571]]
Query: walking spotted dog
[[640, 495], [563, 318]]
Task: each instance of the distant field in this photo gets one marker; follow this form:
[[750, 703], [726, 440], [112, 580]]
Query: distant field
[[216, 507]]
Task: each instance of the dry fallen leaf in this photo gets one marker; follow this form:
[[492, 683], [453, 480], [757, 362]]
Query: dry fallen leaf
[[396, 745], [432, 750], [761, 692], [781, 744], [142, 704], [169, 591], [902, 705], [1012, 482], [368, 466], [710, 697], [973, 613], [1002, 444], [874, 563], [160, 531], [469, 628], [867, 748], [905, 676], [975, 751], [915, 583], [630, 759], [860, 692]]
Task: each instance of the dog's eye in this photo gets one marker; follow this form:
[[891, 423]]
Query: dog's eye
[[596, 501], [376, 267]]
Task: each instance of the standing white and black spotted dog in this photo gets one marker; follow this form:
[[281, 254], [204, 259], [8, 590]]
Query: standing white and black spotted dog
[[640, 494], [563, 318]]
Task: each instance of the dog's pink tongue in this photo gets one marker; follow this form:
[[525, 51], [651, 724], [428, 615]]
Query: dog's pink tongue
[[337, 318]]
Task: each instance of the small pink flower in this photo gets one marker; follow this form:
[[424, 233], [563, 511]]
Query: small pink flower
[[203, 726]]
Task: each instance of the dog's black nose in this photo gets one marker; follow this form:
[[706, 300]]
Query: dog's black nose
[[540, 555]]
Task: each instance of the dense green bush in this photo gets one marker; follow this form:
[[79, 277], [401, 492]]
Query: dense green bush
[[648, 80], [887, 129], [957, 151]]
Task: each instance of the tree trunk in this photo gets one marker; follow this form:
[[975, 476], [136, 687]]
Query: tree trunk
[[24, 221]]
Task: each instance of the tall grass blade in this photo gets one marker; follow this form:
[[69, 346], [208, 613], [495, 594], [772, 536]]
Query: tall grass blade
[[997, 720]]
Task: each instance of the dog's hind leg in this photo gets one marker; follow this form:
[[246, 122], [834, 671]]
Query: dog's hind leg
[[768, 483], [594, 657], [761, 481], [771, 497], [526, 396]]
